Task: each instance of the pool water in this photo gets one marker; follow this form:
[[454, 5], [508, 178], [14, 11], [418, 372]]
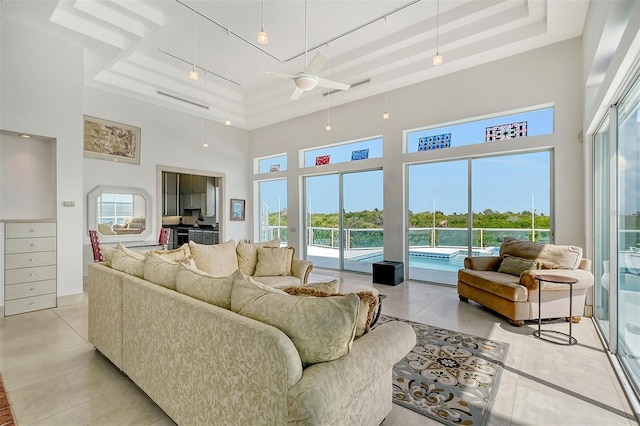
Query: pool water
[[417, 261]]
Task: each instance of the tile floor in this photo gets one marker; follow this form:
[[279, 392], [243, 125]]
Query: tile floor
[[55, 377]]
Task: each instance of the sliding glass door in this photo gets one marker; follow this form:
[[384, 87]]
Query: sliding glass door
[[344, 220], [508, 195]]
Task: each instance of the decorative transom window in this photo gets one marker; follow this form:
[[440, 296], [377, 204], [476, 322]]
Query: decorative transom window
[[344, 152]]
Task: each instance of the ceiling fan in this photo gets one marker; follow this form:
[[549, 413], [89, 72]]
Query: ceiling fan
[[308, 79]]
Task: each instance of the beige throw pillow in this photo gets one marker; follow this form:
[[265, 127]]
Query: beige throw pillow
[[175, 255], [107, 253], [160, 270], [322, 329], [205, 287], [248, 254], [366, 311], [274, 261], [128, 261], [219, 260]]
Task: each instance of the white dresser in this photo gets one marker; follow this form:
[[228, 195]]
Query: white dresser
[[29, 266]]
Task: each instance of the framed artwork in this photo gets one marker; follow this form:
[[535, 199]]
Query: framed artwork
[[108, 140], [237, 209]]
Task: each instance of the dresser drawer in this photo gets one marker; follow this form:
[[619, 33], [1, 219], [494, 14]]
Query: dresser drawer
[[29, 230], [27, 275], [17, 291], [28, 304], [29, 245], [27, 260]]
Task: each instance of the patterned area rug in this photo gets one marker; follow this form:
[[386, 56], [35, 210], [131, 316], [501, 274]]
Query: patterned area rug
[[448, 376], [6, 416]]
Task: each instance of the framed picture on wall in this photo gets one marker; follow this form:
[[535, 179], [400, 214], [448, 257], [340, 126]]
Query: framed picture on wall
[[237, 209], [108, 140]]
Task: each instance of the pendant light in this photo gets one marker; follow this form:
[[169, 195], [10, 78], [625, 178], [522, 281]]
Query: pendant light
[[328, 126], [437, 59], [263, 37], [227, 121], [385, 114], [205, 144], [193, 74]]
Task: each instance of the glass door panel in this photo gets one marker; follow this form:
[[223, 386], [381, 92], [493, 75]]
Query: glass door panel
[[511, 198], [438, 220], [363, 220], [629, 233], [322, 220], [601, 191], [273, 210]]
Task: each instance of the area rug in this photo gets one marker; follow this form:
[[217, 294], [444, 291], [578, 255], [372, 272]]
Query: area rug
[[448, 376], [6, 416]]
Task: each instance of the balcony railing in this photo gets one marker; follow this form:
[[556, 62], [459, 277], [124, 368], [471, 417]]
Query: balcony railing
[[370, 238]]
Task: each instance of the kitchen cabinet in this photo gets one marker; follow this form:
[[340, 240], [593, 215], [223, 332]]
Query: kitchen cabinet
[[203, 236], [170, 194]]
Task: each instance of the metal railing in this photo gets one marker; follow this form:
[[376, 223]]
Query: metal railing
[[372, 238]]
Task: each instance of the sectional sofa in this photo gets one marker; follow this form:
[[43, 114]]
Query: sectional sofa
[[254, 355]]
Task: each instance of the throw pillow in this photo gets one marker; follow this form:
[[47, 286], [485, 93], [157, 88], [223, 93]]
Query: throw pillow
[[175, 255], [160, 270], [128, 261], [205, 287], [219, 260], [107, 253], [248, 254], [321, 328], [366, 311], [516, 265], [273, 261], [329, 286]]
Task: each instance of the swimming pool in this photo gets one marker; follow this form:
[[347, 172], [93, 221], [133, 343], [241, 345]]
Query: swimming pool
[[418, 260]]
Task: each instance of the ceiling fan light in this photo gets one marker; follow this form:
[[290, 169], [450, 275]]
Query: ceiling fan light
[[194, 75], [306, 82], [263, 37], [438, 59]]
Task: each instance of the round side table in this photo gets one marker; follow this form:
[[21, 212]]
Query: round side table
[[557, 279]]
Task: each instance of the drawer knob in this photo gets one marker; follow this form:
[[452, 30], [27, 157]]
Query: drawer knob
[[32, 244], [31, 289], [30, 260], [31, 229], [31, 304], [30, 275]]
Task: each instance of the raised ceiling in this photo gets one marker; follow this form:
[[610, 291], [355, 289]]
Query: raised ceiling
[[145, 48]]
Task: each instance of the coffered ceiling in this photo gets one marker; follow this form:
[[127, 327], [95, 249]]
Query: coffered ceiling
[[145, 48]]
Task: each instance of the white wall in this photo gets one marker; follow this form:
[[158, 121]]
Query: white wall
[[42, 94], [173, 139], [546, 75]]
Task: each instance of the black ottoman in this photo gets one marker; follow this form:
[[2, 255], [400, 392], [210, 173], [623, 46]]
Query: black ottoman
[[388, 272]]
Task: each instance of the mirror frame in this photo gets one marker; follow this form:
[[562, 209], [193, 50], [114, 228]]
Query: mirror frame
[[92, 212]]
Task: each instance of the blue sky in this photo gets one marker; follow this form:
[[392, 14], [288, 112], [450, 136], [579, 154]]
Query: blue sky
[[503, 183]]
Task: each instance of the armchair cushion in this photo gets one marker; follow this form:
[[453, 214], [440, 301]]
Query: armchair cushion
[[248, 254], [274, 261], [551, 256], [516, 265]]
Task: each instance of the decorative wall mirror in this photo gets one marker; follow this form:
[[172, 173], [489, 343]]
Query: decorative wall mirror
[[119, 213]]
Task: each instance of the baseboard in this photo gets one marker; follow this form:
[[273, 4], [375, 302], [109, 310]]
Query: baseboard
[[72, 299]]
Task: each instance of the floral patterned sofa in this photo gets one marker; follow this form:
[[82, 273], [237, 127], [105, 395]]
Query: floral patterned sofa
[[233, 351]]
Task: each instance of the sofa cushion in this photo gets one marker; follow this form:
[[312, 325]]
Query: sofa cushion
[[205, 287], [551, 256], [107, 253], [366, 311], [248, 254], [274, 261], [128, 261], [160, 270], [513, 265], [279, 281], [322, 329], [175, 255], [503, 285], [219, 260]]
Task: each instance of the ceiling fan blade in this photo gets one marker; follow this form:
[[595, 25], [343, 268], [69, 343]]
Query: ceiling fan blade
[[316, 64], [330, 84], [296, 94], [277, 75]]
